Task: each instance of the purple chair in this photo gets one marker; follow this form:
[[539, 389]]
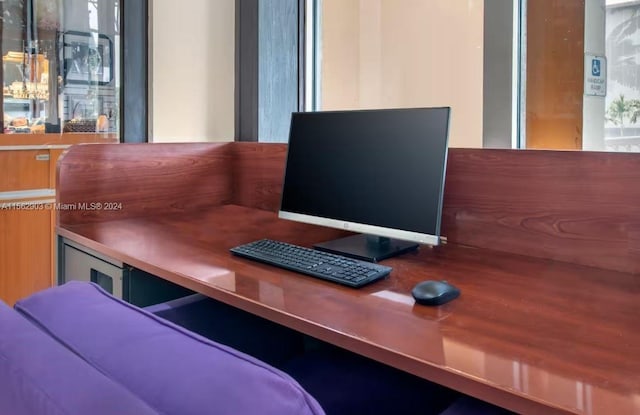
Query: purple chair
[[173, 370], [39, 376]]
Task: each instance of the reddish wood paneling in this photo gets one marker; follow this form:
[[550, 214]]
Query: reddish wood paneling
[[129, 180], [258, 171], [579, 207]]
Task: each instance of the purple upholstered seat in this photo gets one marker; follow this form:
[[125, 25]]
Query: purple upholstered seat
[[39, 376], [173, 370]]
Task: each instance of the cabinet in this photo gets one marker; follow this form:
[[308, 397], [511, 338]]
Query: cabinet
[[79, 263], [26, 219], [59, 78], [27, 209], [82, 264], [25, 257]]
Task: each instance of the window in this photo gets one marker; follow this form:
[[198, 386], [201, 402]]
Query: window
[[61, 66], [622, 103], [552, 74], [402, 53]]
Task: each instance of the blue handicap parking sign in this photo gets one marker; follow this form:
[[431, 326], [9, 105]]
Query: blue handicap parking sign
[[595, 67]]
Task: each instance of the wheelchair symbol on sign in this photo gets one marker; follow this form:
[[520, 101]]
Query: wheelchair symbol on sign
[[595, 67]]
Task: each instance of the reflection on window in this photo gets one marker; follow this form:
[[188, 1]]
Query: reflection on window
[[622, 128], [403, 53], [60, 66], [396, 53]]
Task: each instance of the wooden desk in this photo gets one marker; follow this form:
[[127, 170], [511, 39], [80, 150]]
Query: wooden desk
[[530, 334]]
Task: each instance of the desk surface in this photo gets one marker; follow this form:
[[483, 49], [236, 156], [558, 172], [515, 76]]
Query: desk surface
[[532, 335]]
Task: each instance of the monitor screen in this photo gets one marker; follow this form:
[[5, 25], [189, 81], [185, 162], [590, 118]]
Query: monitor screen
[[379, 172]]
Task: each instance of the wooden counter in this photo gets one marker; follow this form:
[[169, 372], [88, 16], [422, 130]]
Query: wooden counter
[[530, 333], [55, 139]]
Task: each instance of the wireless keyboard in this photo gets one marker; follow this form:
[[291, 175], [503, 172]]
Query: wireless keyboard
[[324, 265]]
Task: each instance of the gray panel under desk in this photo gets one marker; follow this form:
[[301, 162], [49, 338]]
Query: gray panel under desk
[[79, 263]]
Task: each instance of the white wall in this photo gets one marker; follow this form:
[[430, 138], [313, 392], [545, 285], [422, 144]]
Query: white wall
[[593, 107], [192, 70], [402, 53]]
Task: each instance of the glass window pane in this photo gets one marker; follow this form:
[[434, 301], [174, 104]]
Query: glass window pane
[[574, 67], [404, 53], [60, 66], [554, 74], [622, 103]]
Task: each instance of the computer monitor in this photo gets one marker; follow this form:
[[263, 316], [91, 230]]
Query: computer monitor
[[379, 172]]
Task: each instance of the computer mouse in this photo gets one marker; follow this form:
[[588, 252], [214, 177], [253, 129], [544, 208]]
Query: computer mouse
[[434, 292]]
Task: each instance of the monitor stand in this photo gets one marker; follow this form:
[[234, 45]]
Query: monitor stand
[[367, 247]]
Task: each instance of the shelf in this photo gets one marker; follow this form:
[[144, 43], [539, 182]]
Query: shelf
[[8, 100], [23, 101]]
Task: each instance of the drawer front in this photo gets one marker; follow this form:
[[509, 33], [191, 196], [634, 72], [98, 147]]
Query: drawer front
[[80, 266], [24, 170], [25, 250]]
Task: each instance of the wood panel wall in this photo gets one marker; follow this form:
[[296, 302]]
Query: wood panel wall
[[258, 173], [25, 257], [132, 180], [578, 207]]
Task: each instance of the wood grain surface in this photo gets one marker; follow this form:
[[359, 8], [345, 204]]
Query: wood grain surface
[[578, 207], [129, 180], [23, 170], [531, 335], [258, 173], [25, 257]]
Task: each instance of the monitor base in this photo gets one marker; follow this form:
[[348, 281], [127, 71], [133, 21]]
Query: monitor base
[[367, 247]]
